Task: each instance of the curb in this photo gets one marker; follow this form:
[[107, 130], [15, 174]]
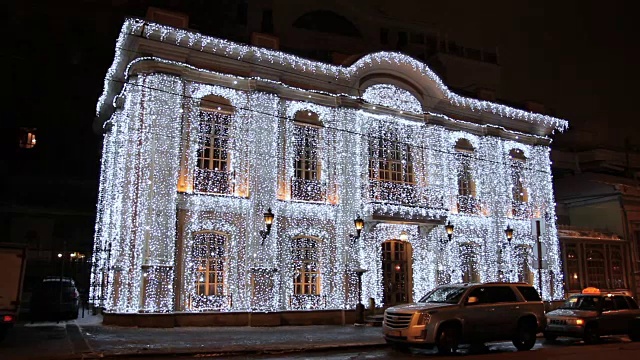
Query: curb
[[227, 351]]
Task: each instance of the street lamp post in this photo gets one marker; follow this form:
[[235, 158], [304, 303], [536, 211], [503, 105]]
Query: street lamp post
[[360, 306]]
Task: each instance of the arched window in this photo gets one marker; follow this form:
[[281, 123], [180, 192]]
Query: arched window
[[617, 270], [213, 167], [391, 174], [519, 195], [573, 271], [306, 266], [467, 202], [306, 184], [596, 272], [327, 22], [209, 255]]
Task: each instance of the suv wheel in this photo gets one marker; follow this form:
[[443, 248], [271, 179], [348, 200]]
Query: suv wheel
[[448, 339], [525, 336], [591, 334], [634, 331]]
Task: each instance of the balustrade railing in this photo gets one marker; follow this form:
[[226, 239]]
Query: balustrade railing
[[308, 190], [403, 194], [214, 181], [468, 204]]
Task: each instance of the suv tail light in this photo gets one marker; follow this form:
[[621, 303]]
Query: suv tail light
[[8, 318]]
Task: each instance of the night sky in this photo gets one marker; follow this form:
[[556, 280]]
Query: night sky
[[574, 57]]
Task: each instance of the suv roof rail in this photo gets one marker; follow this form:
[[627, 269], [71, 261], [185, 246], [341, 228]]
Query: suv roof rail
[[507, 283]]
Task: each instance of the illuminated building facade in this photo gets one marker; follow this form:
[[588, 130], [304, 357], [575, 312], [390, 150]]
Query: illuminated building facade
[[204, 136]]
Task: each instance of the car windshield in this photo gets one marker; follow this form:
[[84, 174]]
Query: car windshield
[[582, 303], [446, 295]]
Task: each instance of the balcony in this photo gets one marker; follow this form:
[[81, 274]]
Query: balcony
[[403, 194], [307, 190], [520, 209], [214, 182], [468, 204]]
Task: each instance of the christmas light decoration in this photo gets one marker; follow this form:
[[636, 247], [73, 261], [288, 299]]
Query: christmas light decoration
[[317, 167]]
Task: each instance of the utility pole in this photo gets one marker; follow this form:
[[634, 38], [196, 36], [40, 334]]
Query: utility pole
[[539, 246]]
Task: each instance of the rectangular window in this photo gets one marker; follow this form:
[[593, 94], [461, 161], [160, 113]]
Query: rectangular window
[[212, 172], [305, 184], [209, 256], [306, 278], [466, 187], [390, 160], [572, 273], [391, 174]]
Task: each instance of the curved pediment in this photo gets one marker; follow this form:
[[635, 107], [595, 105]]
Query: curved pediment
[[393, 97], [432, 88], [417, 77]]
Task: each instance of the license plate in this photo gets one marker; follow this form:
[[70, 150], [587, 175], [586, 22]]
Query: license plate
[[394, 333]]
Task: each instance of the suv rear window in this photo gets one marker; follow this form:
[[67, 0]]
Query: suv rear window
[[632, 303], [529, 293]]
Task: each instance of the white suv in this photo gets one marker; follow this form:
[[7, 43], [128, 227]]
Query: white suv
[[467, 313]]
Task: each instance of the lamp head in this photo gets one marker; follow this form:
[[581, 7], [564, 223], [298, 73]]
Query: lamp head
[[449, 228], [359, 223], [268, 219], [509, 233]]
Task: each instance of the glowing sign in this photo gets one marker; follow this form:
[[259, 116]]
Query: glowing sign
[[591, 290]]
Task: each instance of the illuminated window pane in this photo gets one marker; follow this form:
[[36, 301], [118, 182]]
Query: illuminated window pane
[[306, 280], [209, 255]]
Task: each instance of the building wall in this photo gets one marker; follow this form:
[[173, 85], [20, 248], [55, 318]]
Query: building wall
[[150, 155], [456, 160], [603, 215]]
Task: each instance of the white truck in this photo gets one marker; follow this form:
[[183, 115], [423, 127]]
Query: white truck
[[12, 264]]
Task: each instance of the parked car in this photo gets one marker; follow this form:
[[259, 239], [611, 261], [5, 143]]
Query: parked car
[[55, 298], [592, 314], [451, 315]]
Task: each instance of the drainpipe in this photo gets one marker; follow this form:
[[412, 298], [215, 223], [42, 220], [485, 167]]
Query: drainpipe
[[630, 259]]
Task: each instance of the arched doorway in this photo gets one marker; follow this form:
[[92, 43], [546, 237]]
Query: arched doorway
[[397, 281]]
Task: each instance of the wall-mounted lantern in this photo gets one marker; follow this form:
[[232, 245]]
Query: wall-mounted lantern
[[449, 228], [268, 221], [509, 233]]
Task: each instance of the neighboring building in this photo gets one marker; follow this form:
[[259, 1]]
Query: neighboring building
[[203, 136], [599, 189], [594, 259]]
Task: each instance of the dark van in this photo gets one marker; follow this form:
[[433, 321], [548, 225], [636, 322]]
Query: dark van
[[55, 298]]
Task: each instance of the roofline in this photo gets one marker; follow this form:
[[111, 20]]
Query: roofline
[[189, 39]]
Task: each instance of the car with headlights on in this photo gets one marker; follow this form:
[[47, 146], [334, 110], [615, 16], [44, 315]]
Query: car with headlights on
[[592, 314], [456, 314]]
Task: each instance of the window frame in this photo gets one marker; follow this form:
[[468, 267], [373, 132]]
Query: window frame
[[306, 282], [219, 285], [391, 161]]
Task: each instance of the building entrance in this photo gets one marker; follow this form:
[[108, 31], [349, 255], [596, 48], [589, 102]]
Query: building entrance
[[396, 272]]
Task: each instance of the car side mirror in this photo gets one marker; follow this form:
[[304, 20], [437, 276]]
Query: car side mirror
[[472, 300]]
